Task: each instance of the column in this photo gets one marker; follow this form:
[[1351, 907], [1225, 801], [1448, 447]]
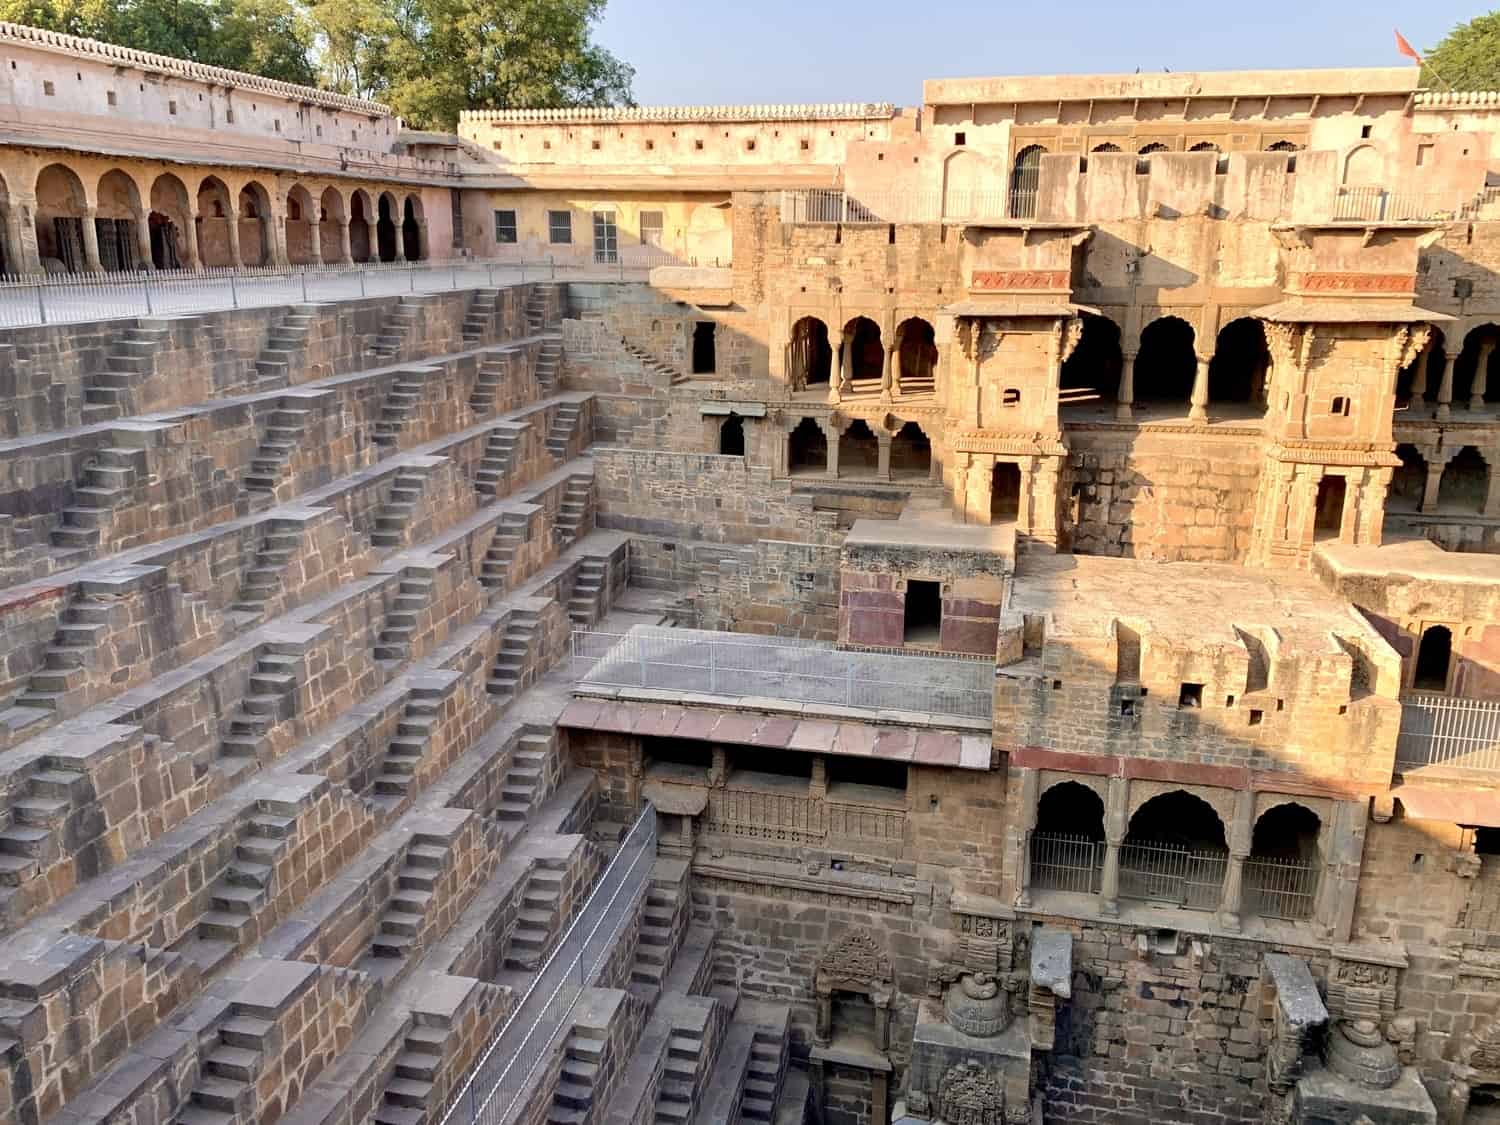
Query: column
[[143, 243], [346, 255], [1481, 375], [1445, 388], [1199, 400], [315, 239], [1419, 380], [232, 216], [846, 365], [1431, 485], [836, 372], [1031, 783], [1125, 399], [400, 228], [1116, 824], [1240, 834], [273, 230], [883, 455], [192, 259], [20, 251], [1492, 493], [424, 248], [885, 374], [91, 261], [832, 435]]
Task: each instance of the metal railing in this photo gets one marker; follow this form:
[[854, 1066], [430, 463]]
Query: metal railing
[[36, 299], [503, 1073], [1172, 873], [1061, 862], [1280, 888], [818, 205], [1448, 732], [696, 660]]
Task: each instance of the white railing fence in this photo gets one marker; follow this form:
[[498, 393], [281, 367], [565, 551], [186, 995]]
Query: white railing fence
[[694, 660], [37, 299], [498, 1081], [1449, 733]]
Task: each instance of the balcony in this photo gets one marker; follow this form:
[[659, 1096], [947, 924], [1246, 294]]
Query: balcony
[[1445, 734], [745, 668]]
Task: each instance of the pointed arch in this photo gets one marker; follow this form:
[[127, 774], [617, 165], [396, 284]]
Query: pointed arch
[[1025, 179], [61, 207]]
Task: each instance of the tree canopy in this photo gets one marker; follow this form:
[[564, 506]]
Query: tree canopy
[[429, 59], [1468, 58]]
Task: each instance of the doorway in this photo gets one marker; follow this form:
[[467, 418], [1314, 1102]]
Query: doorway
[[924, 613], [704, 360]]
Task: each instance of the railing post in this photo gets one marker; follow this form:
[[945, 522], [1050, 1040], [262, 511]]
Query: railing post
[[234, 290], [304, 287], [41, 301], [491, 271], [713, 671], [411, 277], [553, 261], [641, 659], [361, 282]]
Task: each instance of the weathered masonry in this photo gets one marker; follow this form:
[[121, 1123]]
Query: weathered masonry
[[813, 615]]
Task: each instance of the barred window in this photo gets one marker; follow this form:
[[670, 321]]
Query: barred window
[[505, 227], [560, 226]]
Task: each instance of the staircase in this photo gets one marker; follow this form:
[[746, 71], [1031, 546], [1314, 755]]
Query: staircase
[[573, 511], [762, 1078], [679, 1077], [273, 367], [588, 591], [536, 309], [653, 952], [574, 1097], [268, 701], [283, 435], [263, 578], [394, 644], [394, 331], [404, 753], [492, 370], [537, 921], [31, 840], [564, 422], [106, 482], [399, 404], [106, 394], [506, 678], [510, 533], [241, 892], [404, 1101], [481, 317], [401, 504], [494, 468], [66, 662], [549, 364], [651, 363], [225, 1090], [401, 923], [525, 775]]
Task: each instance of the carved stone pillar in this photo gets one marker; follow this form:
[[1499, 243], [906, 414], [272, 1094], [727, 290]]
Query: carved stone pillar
[[232, 217], [1431, 485], [883, 455], [1031, 782], [143, 244], [91, 261], [1198, 410], [346, 255], [1445, 388], [836, 369], [400, 241], [885, 374], [1481, 375], [273, 232], [20, 231], [1240, 833], [190, 244], [1125, 399], [1116, 824], [424, 248], [315, 240], [831, 435], [1419, 380]]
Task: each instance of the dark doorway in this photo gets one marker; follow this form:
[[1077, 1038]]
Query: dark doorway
[[911, 452], [807, 448], [385, 230], [411, 232], [163, 242], [1465, 482], [810, 356], [1166, 365], [1328, 520], [924, 613], [704, 361], [859, 451], [1407, 482], [1434, 655], [1005, 492], [1237, 372], [732, 436]]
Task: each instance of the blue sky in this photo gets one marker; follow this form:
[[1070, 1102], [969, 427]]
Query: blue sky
[[713, 51]]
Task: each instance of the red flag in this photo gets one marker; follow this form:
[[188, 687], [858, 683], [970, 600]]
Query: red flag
[[1407, 49]]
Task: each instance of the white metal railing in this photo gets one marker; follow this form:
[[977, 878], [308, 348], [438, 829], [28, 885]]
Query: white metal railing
[[1449, 732], [819, 205], [697, 660], [503, 1073], [35, 299], [1172, 873]]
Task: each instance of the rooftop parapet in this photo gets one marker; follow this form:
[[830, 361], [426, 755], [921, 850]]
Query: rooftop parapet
[[78, 47], [1398, 81], [818, 111]]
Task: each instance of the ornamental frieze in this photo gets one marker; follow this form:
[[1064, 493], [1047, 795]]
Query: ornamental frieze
[[1351, 282]]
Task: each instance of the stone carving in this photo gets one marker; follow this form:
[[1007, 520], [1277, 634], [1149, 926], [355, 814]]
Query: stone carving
[[1072, 332], [1484, 1055], [977, 1005], [989, 281], [1350, 282], [855, 962], [1362, 996], [970, 1095]]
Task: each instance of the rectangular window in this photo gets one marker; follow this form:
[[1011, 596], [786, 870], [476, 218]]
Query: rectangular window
[[505, 227], [651, 228], [560, 227], [606, 240]]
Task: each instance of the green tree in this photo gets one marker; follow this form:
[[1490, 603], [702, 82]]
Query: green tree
[[1468, 58]]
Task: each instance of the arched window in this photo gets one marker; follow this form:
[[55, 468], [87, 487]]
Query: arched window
[[1105, 147], [1465, 483], [1175, 853], [732, 436], [866, 358], [809, 356], [807, 450], [1281, 874], [1145, 153], [911, 452], [1204, 146], [1067, 846], [859, 451], [1025, 177], [1237, 372], [1166, 365], [1479, 343], [1434, 659], [917, 356], [1408, 481], [60, 213], [1091, 375], [411, 229]]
